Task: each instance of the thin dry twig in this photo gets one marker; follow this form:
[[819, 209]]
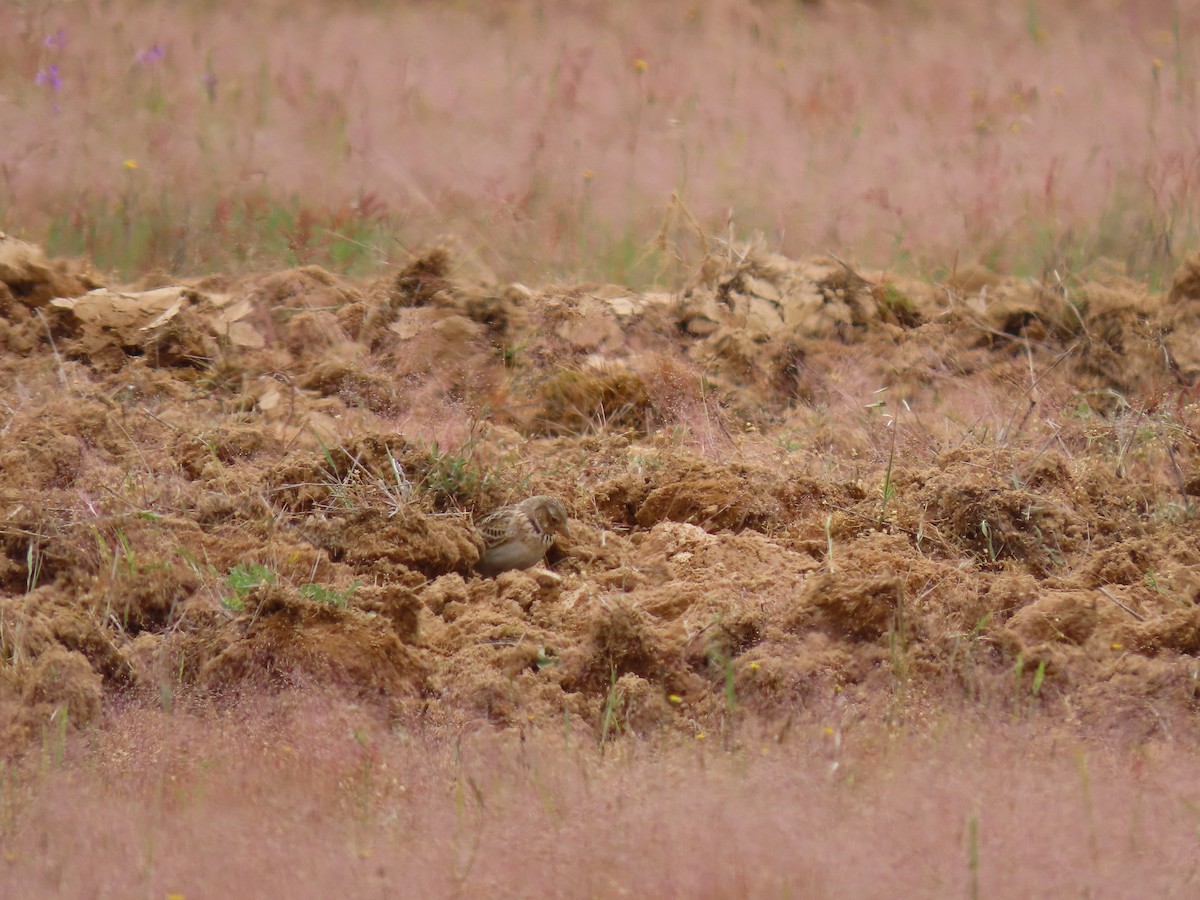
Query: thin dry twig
[[1111, 596]]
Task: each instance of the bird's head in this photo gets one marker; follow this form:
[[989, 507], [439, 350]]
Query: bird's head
[[548, 514]]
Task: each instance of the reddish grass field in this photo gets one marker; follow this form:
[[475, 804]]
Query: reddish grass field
[[315, 800], [549, 139], [858, 340]]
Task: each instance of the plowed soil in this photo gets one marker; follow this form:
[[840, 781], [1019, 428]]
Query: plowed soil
[[792, 486]]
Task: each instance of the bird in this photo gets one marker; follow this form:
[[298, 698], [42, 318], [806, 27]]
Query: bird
[[518, 536]]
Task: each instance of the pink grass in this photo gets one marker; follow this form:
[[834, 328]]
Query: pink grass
[[546, 136], [315, 799]]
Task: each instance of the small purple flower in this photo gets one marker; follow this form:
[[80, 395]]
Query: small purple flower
[[150, 55], [209, 80], [49, 78], [57, 40]]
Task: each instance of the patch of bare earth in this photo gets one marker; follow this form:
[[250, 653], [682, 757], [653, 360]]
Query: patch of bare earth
[[813, 511]]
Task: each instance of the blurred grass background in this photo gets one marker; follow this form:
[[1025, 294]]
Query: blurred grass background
[[588, 140]]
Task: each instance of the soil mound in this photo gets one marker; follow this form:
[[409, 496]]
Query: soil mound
[[789, 483]]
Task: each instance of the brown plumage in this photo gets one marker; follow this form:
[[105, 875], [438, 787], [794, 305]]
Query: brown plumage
[[518, 536]]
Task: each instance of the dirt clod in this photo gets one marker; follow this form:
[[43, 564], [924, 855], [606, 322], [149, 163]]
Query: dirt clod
[[789, 481]]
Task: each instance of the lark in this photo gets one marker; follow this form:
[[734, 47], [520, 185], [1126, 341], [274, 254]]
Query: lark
[[518, 536]]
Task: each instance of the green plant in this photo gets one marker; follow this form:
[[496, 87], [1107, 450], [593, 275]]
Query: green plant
[[451, 473], [34, 559], [898, 647], [395, 484], [340, 484], [888, 487], [204, 570], [241, 580], [894, 303], [964, 656], [987, 535], [123, 562], [1022, 701], [829, 542], [322, 594], [118, 563], [730, 688], [612, 703], [1038, 677], [509, 353], [722, 663], [1151, 581], [892, 423], [454, 474], [789, 442], [54, 738]]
